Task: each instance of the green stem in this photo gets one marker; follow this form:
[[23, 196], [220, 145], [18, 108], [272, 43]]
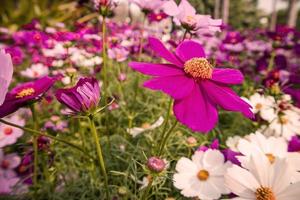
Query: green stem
[[100, 155], [104, 57], [165, 139], [38, 133], [147, 190], [166, 121], [35, 150], [271, 61]]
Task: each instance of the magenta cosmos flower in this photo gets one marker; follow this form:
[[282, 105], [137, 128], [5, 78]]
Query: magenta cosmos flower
[[197, 87], [25, 93], [82, 98], [6, 73]]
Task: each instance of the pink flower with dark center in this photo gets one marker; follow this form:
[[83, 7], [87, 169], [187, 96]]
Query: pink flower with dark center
[[197, 88], [9, 134]]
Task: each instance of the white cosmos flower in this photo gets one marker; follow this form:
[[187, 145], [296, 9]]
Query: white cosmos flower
[[135, 131], [262, 180], [203, 176], [272, 148], [232, 142], [35, 71], [264, 105], [287, 124]]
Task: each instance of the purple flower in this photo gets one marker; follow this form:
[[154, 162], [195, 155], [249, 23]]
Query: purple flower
[[6, 73], [25, 93], [294, 144], [198, 88], [82, 98], [214, 145]]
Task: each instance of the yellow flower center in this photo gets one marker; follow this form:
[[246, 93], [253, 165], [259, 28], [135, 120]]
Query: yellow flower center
[[264, 193], [25, 92], [271, 158], [198, 68], [258, 106], [203, 175], [283, 120]]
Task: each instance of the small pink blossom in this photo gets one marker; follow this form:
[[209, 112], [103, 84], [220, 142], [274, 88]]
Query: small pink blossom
[[185, 15], [9, 134]]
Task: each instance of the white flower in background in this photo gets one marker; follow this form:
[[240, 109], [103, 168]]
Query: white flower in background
[[264, 105], [262, 180], [58, 51], [35, 71], [232, 142], [135, 131], [203, 176], [272, 148], [58, 63], [287, 124]]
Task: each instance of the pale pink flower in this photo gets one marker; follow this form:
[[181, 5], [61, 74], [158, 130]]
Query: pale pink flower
[[9, 134]]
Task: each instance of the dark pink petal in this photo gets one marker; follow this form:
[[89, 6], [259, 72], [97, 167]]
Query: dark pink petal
[[196, 111], [158, 47], [189, 49], [227, 76], [226, 98], [156, 69], [177, 87]]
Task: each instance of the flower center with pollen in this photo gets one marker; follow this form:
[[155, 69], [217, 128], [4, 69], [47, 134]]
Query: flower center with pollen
[[203, 175], [25, 92], [264, 193], [271, 157], [198, 68], [7, 131]]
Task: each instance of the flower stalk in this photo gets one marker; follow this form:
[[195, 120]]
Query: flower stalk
[[35, 149], [99, 153]]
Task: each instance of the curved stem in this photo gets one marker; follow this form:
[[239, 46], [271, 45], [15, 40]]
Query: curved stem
[[38, 133], [100, 155]]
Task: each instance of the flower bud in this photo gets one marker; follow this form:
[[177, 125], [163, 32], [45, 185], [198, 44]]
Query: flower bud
[[156, 164]]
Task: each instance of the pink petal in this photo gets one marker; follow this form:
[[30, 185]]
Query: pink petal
[[226, 98], [227, 76], [189, 49], [156, 69], [177, 87], [186, 8], [196, 111], [158, 47], [171, 8]]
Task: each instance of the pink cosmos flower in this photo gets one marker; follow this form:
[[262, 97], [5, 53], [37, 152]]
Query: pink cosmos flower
[[119, 54], [197, 87], [6, 72], [8, 162], [9, 134], [8, 182], [185, 15], [148, 5]]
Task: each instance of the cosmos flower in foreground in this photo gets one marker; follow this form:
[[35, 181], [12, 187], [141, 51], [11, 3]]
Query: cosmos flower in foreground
[[25, 93], [262, 180], [82, 98], [195, 85], [203, 176], [6, 73]]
